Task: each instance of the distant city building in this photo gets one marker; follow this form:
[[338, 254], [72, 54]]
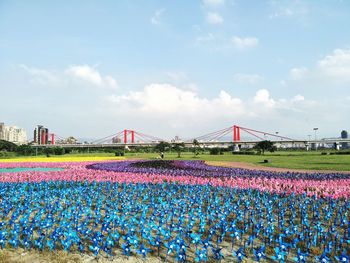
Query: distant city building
[[68, 140], [116, 139], [177, 139], [2, 131], [344, 135], [13, 134], [41, 135]]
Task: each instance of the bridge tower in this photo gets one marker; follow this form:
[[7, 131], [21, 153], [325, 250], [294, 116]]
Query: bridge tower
[[236, 137], [236, 133], [126, 133]]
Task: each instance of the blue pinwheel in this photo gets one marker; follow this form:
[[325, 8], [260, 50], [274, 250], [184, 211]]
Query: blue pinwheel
[[217, 253], [143, 250], [95, 248], [280, 254], [126, 248], [201, 255], [171, 245], [181, 256], [343, 257], [323, 258], [239, 254], [301, 257], [3, 238], [14, 242], [259, 253]]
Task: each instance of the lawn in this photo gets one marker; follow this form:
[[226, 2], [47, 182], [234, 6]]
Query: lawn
[[293, 160]]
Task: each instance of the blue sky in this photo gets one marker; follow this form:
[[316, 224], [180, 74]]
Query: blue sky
[[91, 68]]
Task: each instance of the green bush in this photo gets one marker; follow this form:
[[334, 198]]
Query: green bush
[[214, 151], [59, 151], [244, 153], [343, 152], [340, 153], [119, 153], [7, 146]]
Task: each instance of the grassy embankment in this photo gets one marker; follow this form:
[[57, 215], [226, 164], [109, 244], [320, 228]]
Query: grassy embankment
[[293, 160]]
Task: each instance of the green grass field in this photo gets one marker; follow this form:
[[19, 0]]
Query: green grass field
[[293, 160]]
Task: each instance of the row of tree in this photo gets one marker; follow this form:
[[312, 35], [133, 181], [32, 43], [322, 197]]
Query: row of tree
[[260, 147], [161, 147]]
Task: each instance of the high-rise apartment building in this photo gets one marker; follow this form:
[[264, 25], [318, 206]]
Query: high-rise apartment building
[[2, 131], [13, 134], [41, 135]]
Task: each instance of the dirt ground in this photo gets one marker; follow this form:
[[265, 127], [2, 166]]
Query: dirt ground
[[22, 256], [33, 256]]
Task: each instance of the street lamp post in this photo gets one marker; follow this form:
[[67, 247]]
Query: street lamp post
[[309, 142], [315, 129]]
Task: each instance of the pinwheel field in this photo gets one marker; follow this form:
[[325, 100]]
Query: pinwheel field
[[174, 211]]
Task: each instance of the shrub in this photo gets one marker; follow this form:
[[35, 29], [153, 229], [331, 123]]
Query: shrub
[[119, 153], [214, 151], [244, 153], [59, 151]]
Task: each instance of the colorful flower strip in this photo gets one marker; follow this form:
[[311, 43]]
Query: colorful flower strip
[[339, 188], [201, 169]]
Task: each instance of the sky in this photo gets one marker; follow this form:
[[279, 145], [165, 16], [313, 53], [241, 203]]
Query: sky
[[92, 68]]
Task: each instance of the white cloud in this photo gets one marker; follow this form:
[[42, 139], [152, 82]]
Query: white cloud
[[86, 73], [263, 97], [40, 76], [91, 75], [161, 109], [165, 100], [214, 18], [218, 42], [203, 40], [171, 105], [336, 64], [331, 71], [289, 9], [298, 98], [247, 78], [213, 3], [283, 83], [298, 73], [190, 86], [177, 75], [73, 73], [157, 16], [110, 81], [244, 42]]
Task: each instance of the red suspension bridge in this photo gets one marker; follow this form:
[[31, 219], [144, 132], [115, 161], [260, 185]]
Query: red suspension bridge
[[236, 131], [235, 134]]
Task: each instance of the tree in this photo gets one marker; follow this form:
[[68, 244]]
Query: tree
[[178, 147], [25, 149], [265, 146], [162, 146], [7, 146], [195, 147]]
